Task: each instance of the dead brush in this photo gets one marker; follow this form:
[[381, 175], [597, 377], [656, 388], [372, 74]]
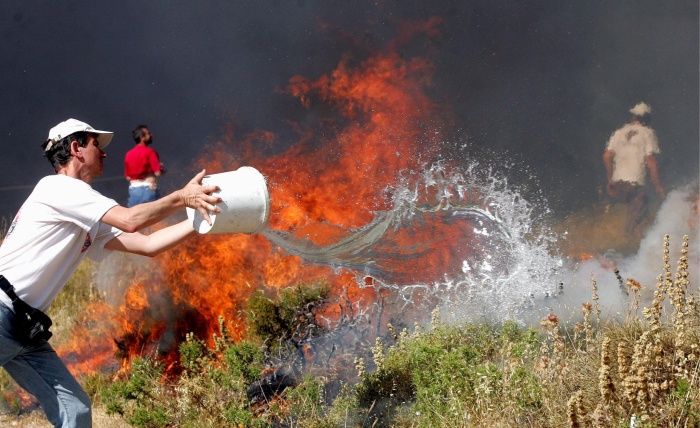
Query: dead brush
[[653, 376]]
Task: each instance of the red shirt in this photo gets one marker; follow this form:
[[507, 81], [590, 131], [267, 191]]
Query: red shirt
[[140, 162]]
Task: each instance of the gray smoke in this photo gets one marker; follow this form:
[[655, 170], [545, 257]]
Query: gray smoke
[[677, 218]]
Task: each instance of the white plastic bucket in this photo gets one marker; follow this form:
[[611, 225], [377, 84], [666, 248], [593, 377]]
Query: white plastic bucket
[[245, 205]]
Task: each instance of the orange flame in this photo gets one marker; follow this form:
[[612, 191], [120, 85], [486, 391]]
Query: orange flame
[[376, 121]]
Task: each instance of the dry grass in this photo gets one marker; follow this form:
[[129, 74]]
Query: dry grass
[[644, 368], [36, 419]]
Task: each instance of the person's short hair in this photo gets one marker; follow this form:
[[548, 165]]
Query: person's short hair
[[138, 132], [59, 154]]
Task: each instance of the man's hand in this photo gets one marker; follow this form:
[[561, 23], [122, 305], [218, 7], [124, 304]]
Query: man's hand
[[654, 173], [660, 190], [199, 197], [611, 189]]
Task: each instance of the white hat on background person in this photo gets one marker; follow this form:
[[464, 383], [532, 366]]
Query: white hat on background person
[[641, 109], [71, 126]]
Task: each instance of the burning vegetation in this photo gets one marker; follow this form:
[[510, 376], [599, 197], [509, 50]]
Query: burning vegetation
[[229, 330], [375, 121]]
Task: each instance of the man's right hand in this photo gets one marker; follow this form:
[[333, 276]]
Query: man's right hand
[[611, 189], [199, 197], [660, 190]]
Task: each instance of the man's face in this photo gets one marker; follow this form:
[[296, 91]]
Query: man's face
[[94, 157], [147, 138]]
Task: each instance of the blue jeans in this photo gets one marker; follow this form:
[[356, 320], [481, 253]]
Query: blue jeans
[[141, 194], [41, 373]]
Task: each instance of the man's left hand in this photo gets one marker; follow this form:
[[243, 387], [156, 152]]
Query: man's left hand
[[199, 197]]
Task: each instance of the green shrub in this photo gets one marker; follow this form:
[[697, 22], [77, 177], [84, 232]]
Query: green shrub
[[155, 417], [136, 393], [245, 360], [240, 417], [449, 372], [192, 354], [264, 316], [294, 313], [94, 383], [525, 389]]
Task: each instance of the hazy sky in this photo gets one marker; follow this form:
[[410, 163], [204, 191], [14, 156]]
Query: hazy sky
[[546, 80]]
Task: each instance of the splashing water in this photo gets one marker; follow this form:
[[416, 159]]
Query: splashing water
[[452, 237]]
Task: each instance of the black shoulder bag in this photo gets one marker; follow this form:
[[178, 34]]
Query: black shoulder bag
[[31, 325]]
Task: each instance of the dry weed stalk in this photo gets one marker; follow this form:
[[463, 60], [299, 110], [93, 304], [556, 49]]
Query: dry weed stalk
[[636, 382], [576, 340], [586, 309], [392, 331], [685, 320], [360, 366], [635, 288], [378, 353], [678, 295], [601, 416], [574, 408], [596, 304], [223, 339], [553, 348], [624, 370], [653, 313], [435, 318], [605, 381]]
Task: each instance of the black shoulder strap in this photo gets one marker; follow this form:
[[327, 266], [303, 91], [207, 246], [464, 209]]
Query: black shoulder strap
[[7, 288]]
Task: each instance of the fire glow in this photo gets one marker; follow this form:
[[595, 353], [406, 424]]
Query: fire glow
[[377, 121]]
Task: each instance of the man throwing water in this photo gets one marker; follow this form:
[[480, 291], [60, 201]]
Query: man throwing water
[[63, 220]]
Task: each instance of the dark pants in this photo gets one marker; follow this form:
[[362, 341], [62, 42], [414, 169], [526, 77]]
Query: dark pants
[[635, 198]]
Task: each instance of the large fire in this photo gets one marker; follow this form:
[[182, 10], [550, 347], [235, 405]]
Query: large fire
[[376, 121]]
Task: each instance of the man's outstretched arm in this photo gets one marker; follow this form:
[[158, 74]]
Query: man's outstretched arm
[[193, 195], [153, 244]]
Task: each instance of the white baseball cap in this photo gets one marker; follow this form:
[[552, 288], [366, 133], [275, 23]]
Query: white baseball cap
[[71, 126], [641, 109]]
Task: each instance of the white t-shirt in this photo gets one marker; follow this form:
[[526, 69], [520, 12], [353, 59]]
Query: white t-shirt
[[56, 227], [631, 144]]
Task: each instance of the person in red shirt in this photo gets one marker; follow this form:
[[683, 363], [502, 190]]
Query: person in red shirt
[[142, 168]]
